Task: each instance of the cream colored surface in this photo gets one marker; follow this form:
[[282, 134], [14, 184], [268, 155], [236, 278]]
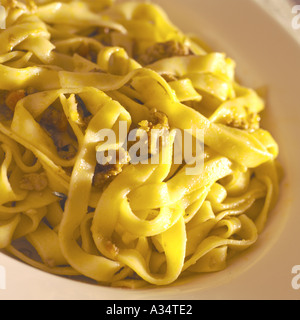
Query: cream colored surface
[[282, 10], [264, 272]]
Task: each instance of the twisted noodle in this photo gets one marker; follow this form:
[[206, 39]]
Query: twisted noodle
[[71, 68]]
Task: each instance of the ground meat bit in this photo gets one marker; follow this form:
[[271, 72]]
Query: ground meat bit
[[54, 119], [164, 50], [158, 121], [13, 98], [34, 182], [105, 173], [56, 124], [68, 151], [251, 122]]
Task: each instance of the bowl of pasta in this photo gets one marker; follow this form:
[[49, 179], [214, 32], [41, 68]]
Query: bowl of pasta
[[147, 146]]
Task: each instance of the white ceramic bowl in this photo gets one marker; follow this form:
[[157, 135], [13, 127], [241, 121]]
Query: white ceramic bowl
[[266, 55]]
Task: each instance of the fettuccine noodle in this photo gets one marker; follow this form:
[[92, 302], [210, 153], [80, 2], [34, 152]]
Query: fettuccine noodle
[[69, 69]]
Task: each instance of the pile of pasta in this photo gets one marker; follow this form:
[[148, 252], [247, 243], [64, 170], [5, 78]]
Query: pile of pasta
[[71, 68]]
